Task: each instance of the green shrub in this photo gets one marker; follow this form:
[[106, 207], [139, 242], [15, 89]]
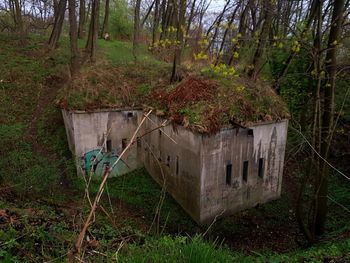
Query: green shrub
[[121, 26]]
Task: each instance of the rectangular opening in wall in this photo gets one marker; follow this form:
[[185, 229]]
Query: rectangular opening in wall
[[168, 161], [245, 171], [160, 132], [250, 132], [109, 145], [261, 168], [177, 165], [228, 174], [138, 142], [124, 143]]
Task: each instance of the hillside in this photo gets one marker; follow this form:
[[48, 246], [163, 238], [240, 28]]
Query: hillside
[[42, 201]]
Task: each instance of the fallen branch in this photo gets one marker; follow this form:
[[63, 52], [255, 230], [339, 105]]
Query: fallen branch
[[87, 223]]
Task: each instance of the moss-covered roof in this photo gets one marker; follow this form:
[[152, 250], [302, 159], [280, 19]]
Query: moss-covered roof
[[201, 101]]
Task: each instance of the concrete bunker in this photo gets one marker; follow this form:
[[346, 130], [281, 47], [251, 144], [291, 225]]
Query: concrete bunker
[[207, 174]]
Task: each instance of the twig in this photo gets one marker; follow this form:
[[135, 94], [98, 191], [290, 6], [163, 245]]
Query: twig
[[212, 223], [13, 239], [319, 155], [96, 252], [119, 248], [109, 199], [80, 239], [162, 195], [342, 206], [52, 260], [163, 130]]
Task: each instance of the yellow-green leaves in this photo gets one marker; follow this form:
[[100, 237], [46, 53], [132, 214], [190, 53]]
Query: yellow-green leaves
[[200, 56], [296, 46]]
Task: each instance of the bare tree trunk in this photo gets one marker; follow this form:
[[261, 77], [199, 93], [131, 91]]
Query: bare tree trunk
[[180, 15], [190, 18], [259, 52], [167, 18], [155, 22], [216, 24], [328, 115], [312, 14], [147, 14], [105, 20], [57, 27], [91, 44], [55, 7], [242, 28], [82, 19], [225, 33], [73, 38], [136, 29], [18, 18]]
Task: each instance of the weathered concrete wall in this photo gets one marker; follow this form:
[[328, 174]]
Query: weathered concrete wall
[[87, 133], [68, 123], [178, 162], [194, 169], [234, 147]]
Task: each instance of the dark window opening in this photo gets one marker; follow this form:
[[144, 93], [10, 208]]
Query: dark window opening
[[130, 114], [177, 165], [250, 132], [160, 132], [138, 142], [168, 161], [261, 168], [228, 174], [109, 145], [245, 171], [124, 143]]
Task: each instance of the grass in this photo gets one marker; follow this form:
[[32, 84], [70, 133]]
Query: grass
[[24, 73], [196, 249], [120, 53], [142, 193]]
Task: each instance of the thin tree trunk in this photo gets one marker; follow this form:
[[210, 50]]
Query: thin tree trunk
[[82, 20], [217, 25], [313, 11], [55, 7], [105, 20], [18, 18], [73, 38], [162, 15], [155, 22], [242, 28], [226, 32], [136, 29], [259, 52], [179, 37], [328, 115], [57, 27], [190, 18], [147, 14], [91, 44], [167, 18]]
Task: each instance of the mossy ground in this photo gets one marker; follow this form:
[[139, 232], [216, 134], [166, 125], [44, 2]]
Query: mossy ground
[[42, 202]]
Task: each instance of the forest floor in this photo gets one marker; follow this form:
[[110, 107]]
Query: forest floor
[[43, 203]]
